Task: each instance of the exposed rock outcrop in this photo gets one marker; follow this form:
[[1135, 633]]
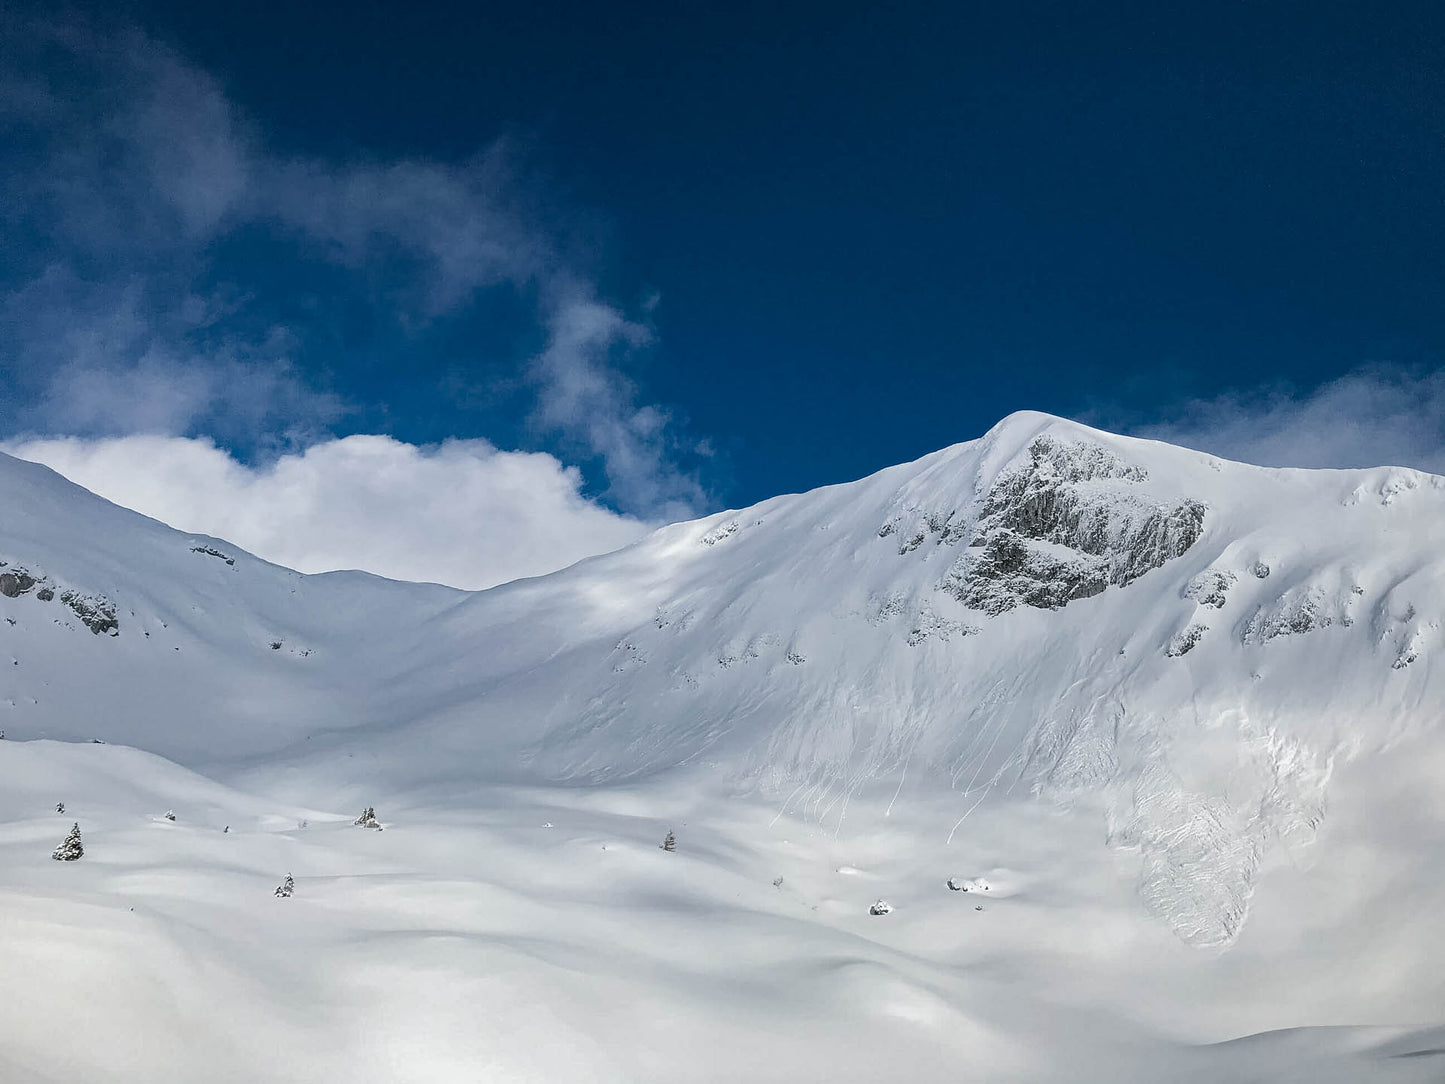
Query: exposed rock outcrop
[[1066, 526], [1299, 611], [96, 612]]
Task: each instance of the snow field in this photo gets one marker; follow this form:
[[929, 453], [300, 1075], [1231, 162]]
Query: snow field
[[1180, 716]]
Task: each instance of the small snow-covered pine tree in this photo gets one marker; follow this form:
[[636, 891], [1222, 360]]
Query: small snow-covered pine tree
[[669, 842], [367, 819], [286, 887], [170, 814], [60, 807], [71, 848]]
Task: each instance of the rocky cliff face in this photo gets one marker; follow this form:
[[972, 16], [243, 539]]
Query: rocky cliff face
[[1066, 526]]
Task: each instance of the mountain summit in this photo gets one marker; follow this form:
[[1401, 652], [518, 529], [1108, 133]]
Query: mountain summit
[[1174, 653]]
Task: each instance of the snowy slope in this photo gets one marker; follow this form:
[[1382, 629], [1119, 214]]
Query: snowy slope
[[1160, 703]]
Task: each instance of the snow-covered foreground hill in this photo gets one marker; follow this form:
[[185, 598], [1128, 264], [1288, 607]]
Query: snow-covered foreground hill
[[1171, 725]]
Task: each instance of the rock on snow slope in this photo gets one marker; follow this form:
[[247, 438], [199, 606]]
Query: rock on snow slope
[[1136, 682]]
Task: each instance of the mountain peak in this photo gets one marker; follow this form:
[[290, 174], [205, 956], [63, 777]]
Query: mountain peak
[[1117, 677]]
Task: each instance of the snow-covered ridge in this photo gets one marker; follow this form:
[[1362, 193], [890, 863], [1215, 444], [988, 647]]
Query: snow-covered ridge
[[1047, 610], [961, 764]]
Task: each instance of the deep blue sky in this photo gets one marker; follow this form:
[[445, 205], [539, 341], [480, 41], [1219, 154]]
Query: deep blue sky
[[876, 229]]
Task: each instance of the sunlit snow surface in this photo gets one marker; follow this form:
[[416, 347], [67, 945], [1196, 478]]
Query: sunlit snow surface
[[1173, 723]]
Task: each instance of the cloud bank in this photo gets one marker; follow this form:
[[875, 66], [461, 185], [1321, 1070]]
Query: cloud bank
[[171, 275], [461, 513], [1380, 415]]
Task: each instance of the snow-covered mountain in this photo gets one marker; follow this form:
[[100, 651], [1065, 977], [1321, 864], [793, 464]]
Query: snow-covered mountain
[[1121, 683]]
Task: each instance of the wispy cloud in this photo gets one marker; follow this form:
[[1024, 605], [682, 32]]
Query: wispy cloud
[[101, 358], [1378, 415], [132, 182], [584, 396]]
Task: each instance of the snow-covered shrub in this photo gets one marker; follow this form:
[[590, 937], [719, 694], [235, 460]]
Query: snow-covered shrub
[[881, 907], [669, 842], [71, 848], [170, 814], [286, 887], [368, 819], [60, 807]]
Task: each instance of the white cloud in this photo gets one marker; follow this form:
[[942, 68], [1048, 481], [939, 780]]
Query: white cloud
[[584, 396], [139, 169], [461, 513], [1377, 416]]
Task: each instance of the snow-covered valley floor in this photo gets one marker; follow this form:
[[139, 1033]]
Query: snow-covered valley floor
[[534, 933]]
